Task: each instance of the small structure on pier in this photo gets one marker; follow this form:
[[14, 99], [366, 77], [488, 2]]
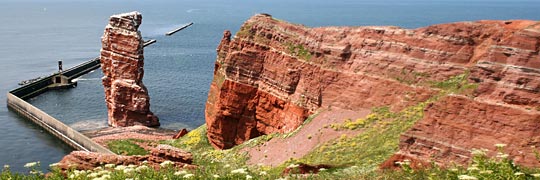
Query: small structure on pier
[[60, 81]]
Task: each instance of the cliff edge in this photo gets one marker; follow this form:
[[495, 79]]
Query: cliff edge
[[272, 74]]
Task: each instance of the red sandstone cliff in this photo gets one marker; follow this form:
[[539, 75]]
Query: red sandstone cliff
[[122, 63], [273, 74]]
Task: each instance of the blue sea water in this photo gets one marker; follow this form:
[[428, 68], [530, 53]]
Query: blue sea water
[[178, 69]]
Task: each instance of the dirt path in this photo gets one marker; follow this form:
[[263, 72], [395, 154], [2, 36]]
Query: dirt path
[[278, 150]]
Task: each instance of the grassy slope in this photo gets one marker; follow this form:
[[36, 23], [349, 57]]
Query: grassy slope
[[353, 157]]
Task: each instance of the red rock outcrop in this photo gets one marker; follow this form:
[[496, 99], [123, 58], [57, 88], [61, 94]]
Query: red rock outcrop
[[122, 63], [273, 74], [82, 160]]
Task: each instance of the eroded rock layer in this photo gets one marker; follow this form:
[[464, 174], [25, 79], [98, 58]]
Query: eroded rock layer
[[82, 160], [122, 63], [273, 74]]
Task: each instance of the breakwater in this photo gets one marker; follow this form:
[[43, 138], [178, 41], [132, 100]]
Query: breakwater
[[65, 133], [16, 102]]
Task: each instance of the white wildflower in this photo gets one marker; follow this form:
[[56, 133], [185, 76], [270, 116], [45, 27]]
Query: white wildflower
[[293, 166], [486, 172], [518, 174], [93, 175], [179, 173], [535, 175], [474, 168], [323, 169], [31, 164], [106, 176], [239, 171], [227, 165], [104, 172], [406, 162], [6, 166], [216, 176], [248, 176], [466, 177], [263, 173], [502, 155], [188, 176], [77, 172], [98, 169], [132, 166], [53, 165], [120, 168], [110, 165], [479, 152], [166, 163], [128, 170], [141, 168], [453, 169], [500, 145]]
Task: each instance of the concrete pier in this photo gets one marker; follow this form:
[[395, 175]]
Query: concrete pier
[[65, 133], [62, 79]]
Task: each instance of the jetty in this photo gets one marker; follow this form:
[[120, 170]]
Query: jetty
[[61, 79], [179, 29]]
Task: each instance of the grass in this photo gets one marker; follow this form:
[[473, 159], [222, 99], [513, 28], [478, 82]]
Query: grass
[[299, 51], [456, 85], [126, 147], [245, 31], [481, 167], [367, 150], [354, 157]]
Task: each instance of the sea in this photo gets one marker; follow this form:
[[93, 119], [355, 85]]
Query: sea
[[35, 34]]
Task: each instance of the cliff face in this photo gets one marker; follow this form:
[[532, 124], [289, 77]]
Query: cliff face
[[122, 63], [273, 74]]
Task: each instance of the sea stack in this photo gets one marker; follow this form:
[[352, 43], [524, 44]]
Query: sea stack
[[122, 62]]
